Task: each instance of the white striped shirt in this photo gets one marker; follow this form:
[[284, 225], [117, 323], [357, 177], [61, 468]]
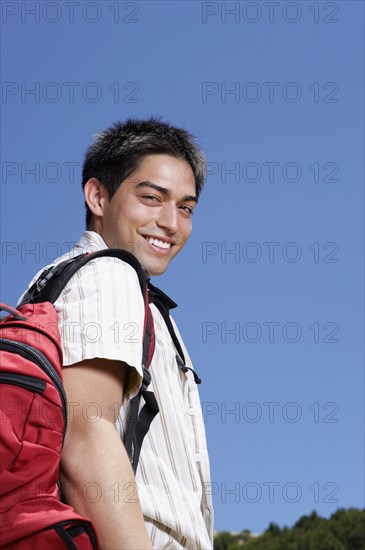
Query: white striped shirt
[[101, 313]]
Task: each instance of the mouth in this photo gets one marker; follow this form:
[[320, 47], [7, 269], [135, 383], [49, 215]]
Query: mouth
[[158, 244]]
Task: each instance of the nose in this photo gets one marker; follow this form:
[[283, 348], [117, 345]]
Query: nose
[[168, 217]]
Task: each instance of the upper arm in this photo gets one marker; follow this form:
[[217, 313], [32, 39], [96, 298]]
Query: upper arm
[[94, 390]]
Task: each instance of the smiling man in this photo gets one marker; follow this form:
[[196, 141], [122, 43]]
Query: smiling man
[[150, 213], [142, 180]]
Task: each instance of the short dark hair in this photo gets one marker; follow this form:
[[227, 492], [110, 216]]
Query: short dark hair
[[119, 150]]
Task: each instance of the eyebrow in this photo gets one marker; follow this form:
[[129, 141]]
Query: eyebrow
[[164, 191]]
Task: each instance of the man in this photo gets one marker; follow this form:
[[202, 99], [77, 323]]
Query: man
[[141, 181]]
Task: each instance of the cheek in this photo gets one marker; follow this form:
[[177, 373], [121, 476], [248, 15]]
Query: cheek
[[139, 213], [130, 215], [186, 229]]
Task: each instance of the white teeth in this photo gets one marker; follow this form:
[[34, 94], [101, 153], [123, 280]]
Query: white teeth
[[158, 243]]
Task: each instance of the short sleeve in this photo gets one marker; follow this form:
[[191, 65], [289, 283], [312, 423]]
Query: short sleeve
[[101, 315]]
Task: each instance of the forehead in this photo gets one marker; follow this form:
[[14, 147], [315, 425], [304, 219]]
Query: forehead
[[164, 170]]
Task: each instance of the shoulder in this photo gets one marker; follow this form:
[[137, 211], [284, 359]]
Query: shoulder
[[109, 267], [110, 277], [98, 274]]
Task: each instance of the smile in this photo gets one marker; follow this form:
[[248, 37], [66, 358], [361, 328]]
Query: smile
[[158, 243]]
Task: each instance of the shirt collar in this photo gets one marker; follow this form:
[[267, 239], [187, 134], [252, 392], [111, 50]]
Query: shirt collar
[[157, 294], [91, 241]]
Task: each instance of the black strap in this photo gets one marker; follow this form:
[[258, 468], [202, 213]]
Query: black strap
[[158, 298], [53, 280], [48, 288], [138, 424], [147, 414]]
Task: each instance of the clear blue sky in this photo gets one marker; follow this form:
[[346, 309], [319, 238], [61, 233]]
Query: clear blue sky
[[270, 286]]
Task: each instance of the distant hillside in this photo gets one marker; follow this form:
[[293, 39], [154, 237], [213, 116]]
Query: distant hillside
[[344, 530]]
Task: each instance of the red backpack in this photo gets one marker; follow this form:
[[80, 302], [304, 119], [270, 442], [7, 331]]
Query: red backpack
[[34, 415]]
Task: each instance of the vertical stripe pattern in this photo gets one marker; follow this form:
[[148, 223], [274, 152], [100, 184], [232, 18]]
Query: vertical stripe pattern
[[101, 313]]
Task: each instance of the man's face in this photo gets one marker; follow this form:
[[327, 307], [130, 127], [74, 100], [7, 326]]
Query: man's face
[[150, 213]]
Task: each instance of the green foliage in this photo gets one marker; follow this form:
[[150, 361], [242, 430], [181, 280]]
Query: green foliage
[[308, 522], [344, 530], [228, 541], [274, 529], [223, 541]]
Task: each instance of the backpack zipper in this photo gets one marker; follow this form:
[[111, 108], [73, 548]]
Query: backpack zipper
[[41, 360], [9, 324], [30, 383]]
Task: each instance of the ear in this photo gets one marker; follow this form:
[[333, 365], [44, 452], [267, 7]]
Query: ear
[[95, 195]]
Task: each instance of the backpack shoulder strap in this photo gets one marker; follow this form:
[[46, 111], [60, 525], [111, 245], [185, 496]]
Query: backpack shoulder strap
[[48, 288], [53, 280], [164, 304]]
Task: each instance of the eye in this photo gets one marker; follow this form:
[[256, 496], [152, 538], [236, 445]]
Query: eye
[[187, 209], [151, 198]]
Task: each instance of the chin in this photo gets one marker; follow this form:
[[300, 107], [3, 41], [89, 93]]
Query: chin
[[155, 271]]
